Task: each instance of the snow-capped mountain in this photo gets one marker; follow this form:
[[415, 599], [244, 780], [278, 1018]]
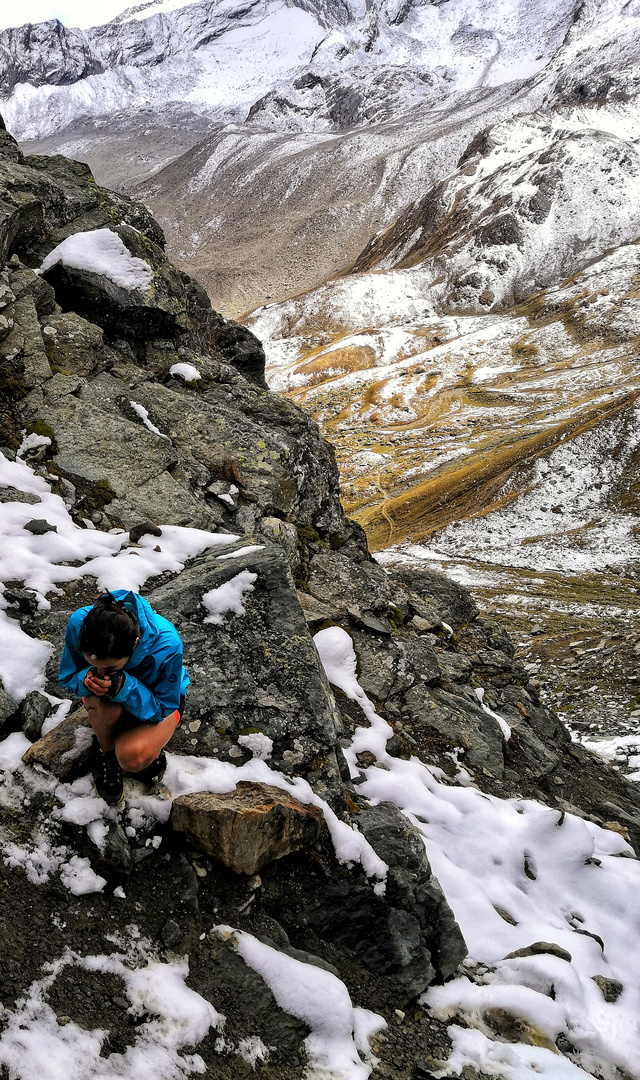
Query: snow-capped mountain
[[282, 64], [275, 140]]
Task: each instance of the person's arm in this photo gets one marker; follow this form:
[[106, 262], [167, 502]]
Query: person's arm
[[73, 666], [153, 705]]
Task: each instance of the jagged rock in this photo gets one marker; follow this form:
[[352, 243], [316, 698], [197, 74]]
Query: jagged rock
[[415, 894], [337, 580], [227, 340], [41, 197], [610, 988], [145, 528], [156, 310], [39, 526], [424, 626], [369, 622], [248, 827], [11, 494], [100, 436], [26, 600], [171, 934], [74, 345], [408, 935], [8, 711], [390, 668], [516, 1029], [285, 534], [114, 858], [64, 751], [541, 947], [456, 667], [34, 710], [258, 671], [461, 720], [453, 603]]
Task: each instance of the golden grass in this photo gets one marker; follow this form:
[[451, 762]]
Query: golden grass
[[328, 367], [470, 486]]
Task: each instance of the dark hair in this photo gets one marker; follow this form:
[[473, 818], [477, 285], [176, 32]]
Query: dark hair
[[109, 630]]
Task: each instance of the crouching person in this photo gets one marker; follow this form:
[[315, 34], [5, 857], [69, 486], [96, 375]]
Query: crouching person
[[125, 662]]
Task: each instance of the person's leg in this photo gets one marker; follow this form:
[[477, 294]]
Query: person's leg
[[103, 717], [139, 746]]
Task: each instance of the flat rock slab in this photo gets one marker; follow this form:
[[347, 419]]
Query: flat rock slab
[[246, 828], [64, 750]]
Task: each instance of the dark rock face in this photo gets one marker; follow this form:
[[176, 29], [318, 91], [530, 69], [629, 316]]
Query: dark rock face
[[159, 311], [453, 604], [44, 200], [258, 672], [412, 887]]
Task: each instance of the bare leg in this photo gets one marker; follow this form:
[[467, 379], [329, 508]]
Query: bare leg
[[139, 746], [103, 717]]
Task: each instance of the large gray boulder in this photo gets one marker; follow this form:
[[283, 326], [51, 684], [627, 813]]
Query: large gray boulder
[[255, 672], [155, 306]]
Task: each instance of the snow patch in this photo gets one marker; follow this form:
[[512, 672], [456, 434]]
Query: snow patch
[[101, 251], [185, 371], [321, 1000], [228, 597], [144, 416]]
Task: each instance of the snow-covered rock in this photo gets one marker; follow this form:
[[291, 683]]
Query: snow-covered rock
[[533, 200]]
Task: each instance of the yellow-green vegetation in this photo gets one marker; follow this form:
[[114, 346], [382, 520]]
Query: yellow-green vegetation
[[471, 485], [523, 349]]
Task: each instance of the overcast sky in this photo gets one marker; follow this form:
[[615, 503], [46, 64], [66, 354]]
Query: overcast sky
[[70, 12]]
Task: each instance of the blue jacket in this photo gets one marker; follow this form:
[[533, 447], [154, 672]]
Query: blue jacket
[[154, 680]]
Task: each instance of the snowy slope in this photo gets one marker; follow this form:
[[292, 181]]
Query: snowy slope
[[324, 124], [534, 199], [470, 430], [227, 56]]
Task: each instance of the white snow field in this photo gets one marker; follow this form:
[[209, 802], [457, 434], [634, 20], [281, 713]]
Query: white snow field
[[514, 871]]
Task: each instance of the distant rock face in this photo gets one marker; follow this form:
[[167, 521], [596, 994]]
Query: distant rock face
[[404, 85], [328, 69], [530, 203]]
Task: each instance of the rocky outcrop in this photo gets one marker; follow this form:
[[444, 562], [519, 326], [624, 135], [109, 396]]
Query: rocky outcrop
[[256, 673], [64, 751], [247, 828], [512, 218]]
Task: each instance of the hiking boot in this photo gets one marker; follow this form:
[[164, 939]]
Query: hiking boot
[[153, 772], [107, 776]]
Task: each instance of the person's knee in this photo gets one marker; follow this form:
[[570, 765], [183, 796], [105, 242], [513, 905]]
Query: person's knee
[[106, 711], [134, 755]]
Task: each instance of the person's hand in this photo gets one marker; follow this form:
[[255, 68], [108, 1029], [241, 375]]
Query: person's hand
[[116, 681], [96, 685]]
